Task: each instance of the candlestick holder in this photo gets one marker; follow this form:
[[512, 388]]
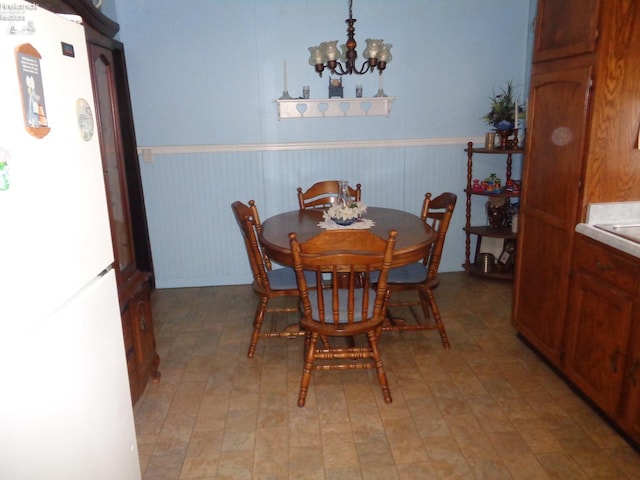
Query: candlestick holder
[[504, 138], [507, 143]]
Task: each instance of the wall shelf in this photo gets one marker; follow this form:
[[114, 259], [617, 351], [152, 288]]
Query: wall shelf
[[334, 107]]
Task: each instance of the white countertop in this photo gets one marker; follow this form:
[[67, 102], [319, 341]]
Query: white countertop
[[608, 213]]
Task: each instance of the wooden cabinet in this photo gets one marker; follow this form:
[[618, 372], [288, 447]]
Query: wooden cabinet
[[582, 140], [581, 137], [602, 357], [481, 229], [128, 226], [133, 264]]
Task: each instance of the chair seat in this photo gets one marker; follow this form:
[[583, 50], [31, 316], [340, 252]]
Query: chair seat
[[342, 305], [285, 279], [413, 273]]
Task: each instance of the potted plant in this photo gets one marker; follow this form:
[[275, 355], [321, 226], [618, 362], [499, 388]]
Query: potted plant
[[502, 116]]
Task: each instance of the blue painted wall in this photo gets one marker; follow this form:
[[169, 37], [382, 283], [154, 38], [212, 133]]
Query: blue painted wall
[[208, 72]]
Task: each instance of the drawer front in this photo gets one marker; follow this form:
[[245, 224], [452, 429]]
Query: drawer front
[[611, 266]]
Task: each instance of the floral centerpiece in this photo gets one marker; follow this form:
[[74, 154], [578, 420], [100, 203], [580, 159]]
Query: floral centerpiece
[[504, 105], [504, 115], [345, 213]]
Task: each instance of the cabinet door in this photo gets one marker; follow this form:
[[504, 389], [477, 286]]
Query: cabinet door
[[598, 328], [565, 28], [130, 354], [542, 260], [558, 105], [549, 205], [631, 393], [113, 161], [143, 336]]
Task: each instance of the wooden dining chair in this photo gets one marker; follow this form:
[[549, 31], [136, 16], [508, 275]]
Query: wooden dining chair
[[324, 194], [339, 310], [422, 277], [268, 282]]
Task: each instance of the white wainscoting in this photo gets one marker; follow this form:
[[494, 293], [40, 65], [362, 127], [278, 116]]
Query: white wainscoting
[[189, 189]]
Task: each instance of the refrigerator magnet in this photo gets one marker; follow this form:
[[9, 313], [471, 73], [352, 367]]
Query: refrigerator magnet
[[85, 119], [4, 169], [30, 77]]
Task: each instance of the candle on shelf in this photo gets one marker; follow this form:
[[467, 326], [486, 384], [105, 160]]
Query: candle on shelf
[[285, 93], [285, 76], [380, 92]]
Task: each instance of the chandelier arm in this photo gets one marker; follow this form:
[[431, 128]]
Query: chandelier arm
[[339, 70], [342, 70], [365, 68]]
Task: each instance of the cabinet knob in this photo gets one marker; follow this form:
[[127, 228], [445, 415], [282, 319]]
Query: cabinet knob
[[143, 324], [603, 267]]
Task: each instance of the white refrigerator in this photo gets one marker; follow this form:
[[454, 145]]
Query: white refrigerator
[[65, 406]]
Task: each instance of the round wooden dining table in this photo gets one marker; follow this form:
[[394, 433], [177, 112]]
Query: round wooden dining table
[[414, 235]]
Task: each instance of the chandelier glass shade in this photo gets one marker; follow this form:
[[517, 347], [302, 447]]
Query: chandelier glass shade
[[342, 61]]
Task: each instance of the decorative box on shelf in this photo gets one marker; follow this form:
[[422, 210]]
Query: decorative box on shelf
[[334, 107], [335, 88]]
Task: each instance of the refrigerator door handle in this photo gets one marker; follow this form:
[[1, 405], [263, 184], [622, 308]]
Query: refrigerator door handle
[[105, 271]]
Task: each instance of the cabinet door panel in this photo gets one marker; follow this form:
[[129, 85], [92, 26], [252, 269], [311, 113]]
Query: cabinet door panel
[[598, 332], [145, 344], [631, 403], [556, 135], [565, 28], [539, 307], [113, 161]]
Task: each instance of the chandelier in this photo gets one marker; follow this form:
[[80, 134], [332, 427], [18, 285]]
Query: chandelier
[[326, 55]]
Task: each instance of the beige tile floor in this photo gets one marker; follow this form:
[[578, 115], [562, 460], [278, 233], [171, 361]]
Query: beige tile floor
[[486, 409]]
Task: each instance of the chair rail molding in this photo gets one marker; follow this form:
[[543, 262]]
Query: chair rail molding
[[149, 152]]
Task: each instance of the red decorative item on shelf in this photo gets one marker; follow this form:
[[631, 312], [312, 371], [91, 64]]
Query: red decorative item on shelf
[[512, 186]]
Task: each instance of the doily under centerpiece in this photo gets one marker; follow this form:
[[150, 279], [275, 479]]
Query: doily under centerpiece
[[345, 215]]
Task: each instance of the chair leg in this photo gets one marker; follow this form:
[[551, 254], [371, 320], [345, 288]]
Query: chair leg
[[377, 360], [308, 365], [438, 319], [257, 325], [425, 303], [325, 342]]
